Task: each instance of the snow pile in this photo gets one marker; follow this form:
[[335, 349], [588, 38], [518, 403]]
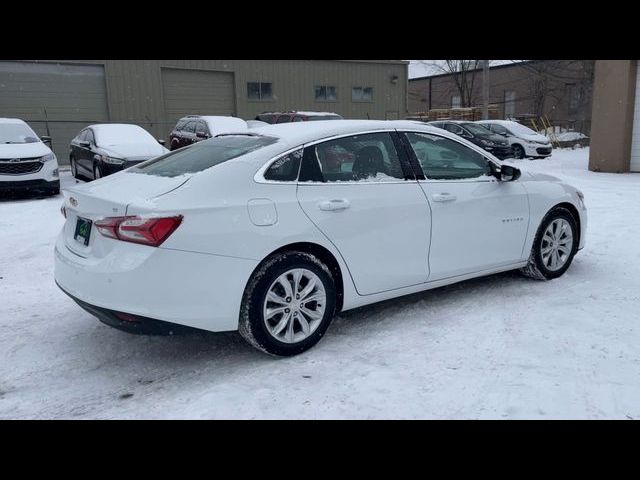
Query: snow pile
[[498, 347]]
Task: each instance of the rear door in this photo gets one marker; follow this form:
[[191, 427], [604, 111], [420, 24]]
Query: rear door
[[360, 193], [478, 223]]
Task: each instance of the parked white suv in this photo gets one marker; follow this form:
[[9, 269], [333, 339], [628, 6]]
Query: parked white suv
[[524, 141], [26, 163]]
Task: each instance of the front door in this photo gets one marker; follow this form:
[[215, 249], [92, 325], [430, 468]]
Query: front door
[[360, 194], [478, 222]]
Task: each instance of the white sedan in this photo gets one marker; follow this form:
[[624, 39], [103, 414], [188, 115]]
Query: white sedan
[[273, 232]]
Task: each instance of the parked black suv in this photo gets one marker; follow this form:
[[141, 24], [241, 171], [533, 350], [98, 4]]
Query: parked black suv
[[194, 128], [475, 133]]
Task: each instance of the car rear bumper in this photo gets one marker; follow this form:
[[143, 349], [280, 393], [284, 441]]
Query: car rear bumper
[[129, 323], [186, 288]]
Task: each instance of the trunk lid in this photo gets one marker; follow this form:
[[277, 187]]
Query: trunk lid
[[109, 197]]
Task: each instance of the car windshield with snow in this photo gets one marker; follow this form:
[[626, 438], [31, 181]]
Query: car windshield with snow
[[271, 233]]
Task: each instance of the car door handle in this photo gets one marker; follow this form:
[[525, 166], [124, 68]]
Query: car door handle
[[443, 197], [334, 205]]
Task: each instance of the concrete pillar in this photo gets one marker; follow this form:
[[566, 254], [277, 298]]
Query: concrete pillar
[[612, 115]]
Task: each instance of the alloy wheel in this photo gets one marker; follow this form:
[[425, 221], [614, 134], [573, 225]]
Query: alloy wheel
[[557, 244], [294, 305]]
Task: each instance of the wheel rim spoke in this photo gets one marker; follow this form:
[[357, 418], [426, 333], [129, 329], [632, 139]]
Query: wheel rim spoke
[[556, 244], [294, 305]]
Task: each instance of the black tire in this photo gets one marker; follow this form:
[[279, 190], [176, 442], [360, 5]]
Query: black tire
[[252, 325], [536, 268], [518, 151]]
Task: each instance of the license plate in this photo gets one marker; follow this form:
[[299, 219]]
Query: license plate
[[83, 230]]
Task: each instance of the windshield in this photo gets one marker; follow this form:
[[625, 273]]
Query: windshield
[[476, 129], [107, 135], [519, 129], [203, 155], [17, 133]]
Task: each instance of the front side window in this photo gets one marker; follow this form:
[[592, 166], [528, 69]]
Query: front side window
[[445, 159], [201, 128], [285, 168], [90, 138], [259, 91], [325, 93], [203, 155], [370, 157], [362, 94], [189, 127], [499, 129], [284, 119]]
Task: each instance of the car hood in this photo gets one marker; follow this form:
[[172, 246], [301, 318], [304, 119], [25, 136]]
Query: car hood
[[535, 176], [534, 137], [134, 151], [23, 150]]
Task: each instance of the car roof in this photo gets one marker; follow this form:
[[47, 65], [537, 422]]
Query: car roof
[[297, 133], [11, 120]]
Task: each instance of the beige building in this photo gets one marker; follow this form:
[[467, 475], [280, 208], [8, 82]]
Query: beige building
[[615, 129], [62, 97]]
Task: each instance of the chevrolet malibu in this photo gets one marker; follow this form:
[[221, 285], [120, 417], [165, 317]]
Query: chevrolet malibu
[[272, 232]]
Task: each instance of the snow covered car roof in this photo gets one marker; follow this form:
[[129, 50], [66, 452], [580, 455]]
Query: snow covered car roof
[[297, 133], [11, 120], [118, 133]]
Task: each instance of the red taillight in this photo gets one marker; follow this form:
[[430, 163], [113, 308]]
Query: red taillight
[[147, 231]]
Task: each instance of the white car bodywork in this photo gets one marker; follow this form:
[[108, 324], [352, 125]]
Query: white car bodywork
[[387, 238], [518, 134], [21, 152]]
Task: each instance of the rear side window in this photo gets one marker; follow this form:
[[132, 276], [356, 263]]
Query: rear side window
[[285, 169], [284, 119], [180, 125], [370, 157], [203, 155]]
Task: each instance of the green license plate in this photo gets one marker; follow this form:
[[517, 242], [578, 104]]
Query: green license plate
[[83, 230]]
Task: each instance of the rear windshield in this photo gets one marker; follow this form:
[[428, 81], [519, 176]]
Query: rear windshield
[[203, 155]]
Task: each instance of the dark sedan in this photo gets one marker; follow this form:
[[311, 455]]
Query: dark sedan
[[102, 149], [481, 136]]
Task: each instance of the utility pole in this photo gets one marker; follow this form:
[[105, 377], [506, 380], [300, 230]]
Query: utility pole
[[485, 90]]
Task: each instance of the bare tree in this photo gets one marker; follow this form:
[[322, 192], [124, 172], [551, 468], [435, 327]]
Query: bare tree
[[465, 76]]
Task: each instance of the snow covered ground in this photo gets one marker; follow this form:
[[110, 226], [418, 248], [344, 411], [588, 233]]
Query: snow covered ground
[[498, 347]]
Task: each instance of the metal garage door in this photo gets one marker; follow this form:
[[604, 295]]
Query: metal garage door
[[197, 92], [72, 96], [635, 141]]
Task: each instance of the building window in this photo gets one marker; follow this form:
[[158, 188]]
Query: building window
[[362, 94], [259, 91], [509, 104], [325, 93], [455, 101]]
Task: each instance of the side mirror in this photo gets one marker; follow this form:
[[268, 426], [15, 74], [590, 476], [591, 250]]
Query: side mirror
[[509, 173], [46, 140], [504, 173], [85, 144], [161, 142], [201, 135]]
